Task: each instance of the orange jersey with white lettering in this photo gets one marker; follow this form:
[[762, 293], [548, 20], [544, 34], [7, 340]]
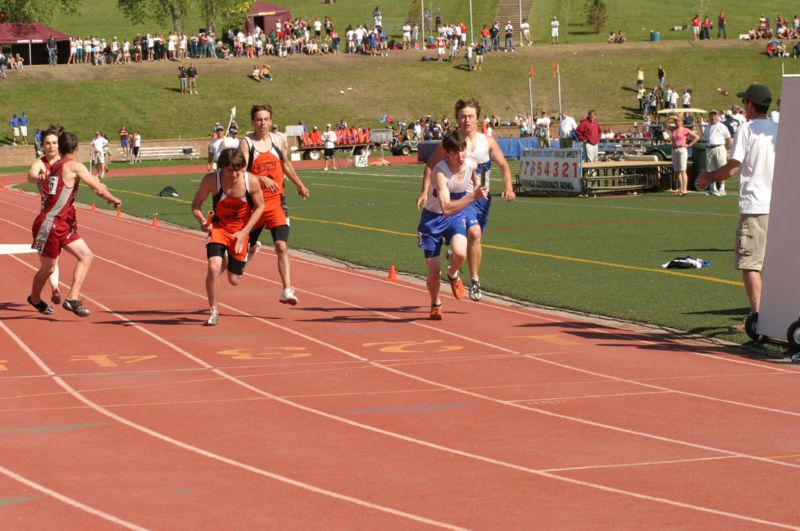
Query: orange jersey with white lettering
[[269, 164], [231, 213]]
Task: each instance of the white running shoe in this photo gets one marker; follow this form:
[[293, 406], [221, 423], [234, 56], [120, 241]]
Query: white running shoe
[[213, 319], [288, 297]]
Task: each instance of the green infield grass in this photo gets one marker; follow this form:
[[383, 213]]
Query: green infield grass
[[601, 256]]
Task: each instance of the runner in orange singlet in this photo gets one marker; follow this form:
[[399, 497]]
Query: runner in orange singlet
[[236, 211], [265, 154]]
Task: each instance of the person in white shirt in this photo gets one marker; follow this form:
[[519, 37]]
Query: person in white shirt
[[543, 130], [526, 32], [329, 144], [775, 115], [509, 31], [214, 149], [99, 145], [554, 30], [566, 129], [686, 99], [718, 140], [753, 154], [673, 99]]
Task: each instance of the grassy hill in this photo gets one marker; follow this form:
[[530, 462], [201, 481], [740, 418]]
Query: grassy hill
[[637, 18], [318, 90]]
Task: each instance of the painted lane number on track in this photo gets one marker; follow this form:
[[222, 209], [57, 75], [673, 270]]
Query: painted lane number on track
[[109, 360], [271, 353], [413, 347], [3, 365]]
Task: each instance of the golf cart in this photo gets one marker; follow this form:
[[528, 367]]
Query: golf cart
[[663, 149]]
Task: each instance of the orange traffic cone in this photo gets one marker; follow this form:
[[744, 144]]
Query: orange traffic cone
[[154, 223], [119, 212], [392, 273], [94, 207]]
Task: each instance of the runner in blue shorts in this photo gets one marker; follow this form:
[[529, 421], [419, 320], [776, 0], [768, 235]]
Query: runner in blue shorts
[[485, 150], [453, 187]]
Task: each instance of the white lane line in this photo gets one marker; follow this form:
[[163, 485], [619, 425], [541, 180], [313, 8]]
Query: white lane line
[[560, 399], [66, 499], [642, 463], [194, 449]]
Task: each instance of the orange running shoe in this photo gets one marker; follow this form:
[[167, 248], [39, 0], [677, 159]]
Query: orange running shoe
[[436, 312], [457, 286]]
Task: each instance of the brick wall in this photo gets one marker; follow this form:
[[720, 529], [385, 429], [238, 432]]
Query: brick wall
[[24, 155]]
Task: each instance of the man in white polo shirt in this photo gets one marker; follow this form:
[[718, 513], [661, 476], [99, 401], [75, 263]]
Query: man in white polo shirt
[[99, 145], [718, 139], [753, 154]]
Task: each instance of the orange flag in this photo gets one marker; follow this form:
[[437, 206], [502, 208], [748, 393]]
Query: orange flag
[[532, 72]]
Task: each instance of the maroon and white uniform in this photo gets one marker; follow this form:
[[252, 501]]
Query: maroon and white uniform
[[47, 167], [56, 225]]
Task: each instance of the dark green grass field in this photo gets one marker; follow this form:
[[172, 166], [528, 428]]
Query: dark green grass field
[[600, 255]]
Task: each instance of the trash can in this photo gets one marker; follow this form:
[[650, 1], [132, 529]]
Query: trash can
[[699, 163], [655, 36]]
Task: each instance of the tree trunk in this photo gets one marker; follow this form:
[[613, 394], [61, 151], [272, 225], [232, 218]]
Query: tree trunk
[[212, 13], [177, 19]]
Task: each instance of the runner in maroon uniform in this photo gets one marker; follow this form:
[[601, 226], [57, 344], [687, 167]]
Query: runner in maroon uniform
[[56, 227], [39, 167]]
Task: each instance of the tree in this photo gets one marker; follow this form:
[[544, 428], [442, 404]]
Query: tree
[[159, 10], [703, 6], [596, 14], [230, 12], [36, 10], [566, 12]]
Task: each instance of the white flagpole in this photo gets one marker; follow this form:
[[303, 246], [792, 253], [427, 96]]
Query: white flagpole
[[530, 96], [558, 74], [230, 121], [471, 26], [422, 19]]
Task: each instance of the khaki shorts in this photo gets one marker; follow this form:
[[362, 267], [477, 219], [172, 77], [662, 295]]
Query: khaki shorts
[[716, 158], [680, 157], [751, 241]]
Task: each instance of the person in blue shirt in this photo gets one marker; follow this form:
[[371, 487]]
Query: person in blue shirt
[[23, 128], [14, 129]]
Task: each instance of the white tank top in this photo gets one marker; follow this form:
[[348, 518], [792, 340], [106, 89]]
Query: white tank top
[[458, 184], [478, 149]]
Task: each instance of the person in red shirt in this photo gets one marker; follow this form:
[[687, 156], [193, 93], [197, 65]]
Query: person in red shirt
[[721, 25], [589, 132], [56, 227], [707, 25], [696, 26]]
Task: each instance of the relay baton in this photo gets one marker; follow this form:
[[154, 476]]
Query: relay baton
[[483, 176]]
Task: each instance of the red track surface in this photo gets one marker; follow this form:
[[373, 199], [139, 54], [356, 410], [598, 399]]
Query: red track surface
[[352, 410]]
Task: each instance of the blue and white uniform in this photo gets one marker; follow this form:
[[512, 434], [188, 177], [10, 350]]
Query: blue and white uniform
[[434, 227], [477, 213]]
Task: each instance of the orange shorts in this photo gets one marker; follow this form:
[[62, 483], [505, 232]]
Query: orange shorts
[[223, 237], [275, 213]]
